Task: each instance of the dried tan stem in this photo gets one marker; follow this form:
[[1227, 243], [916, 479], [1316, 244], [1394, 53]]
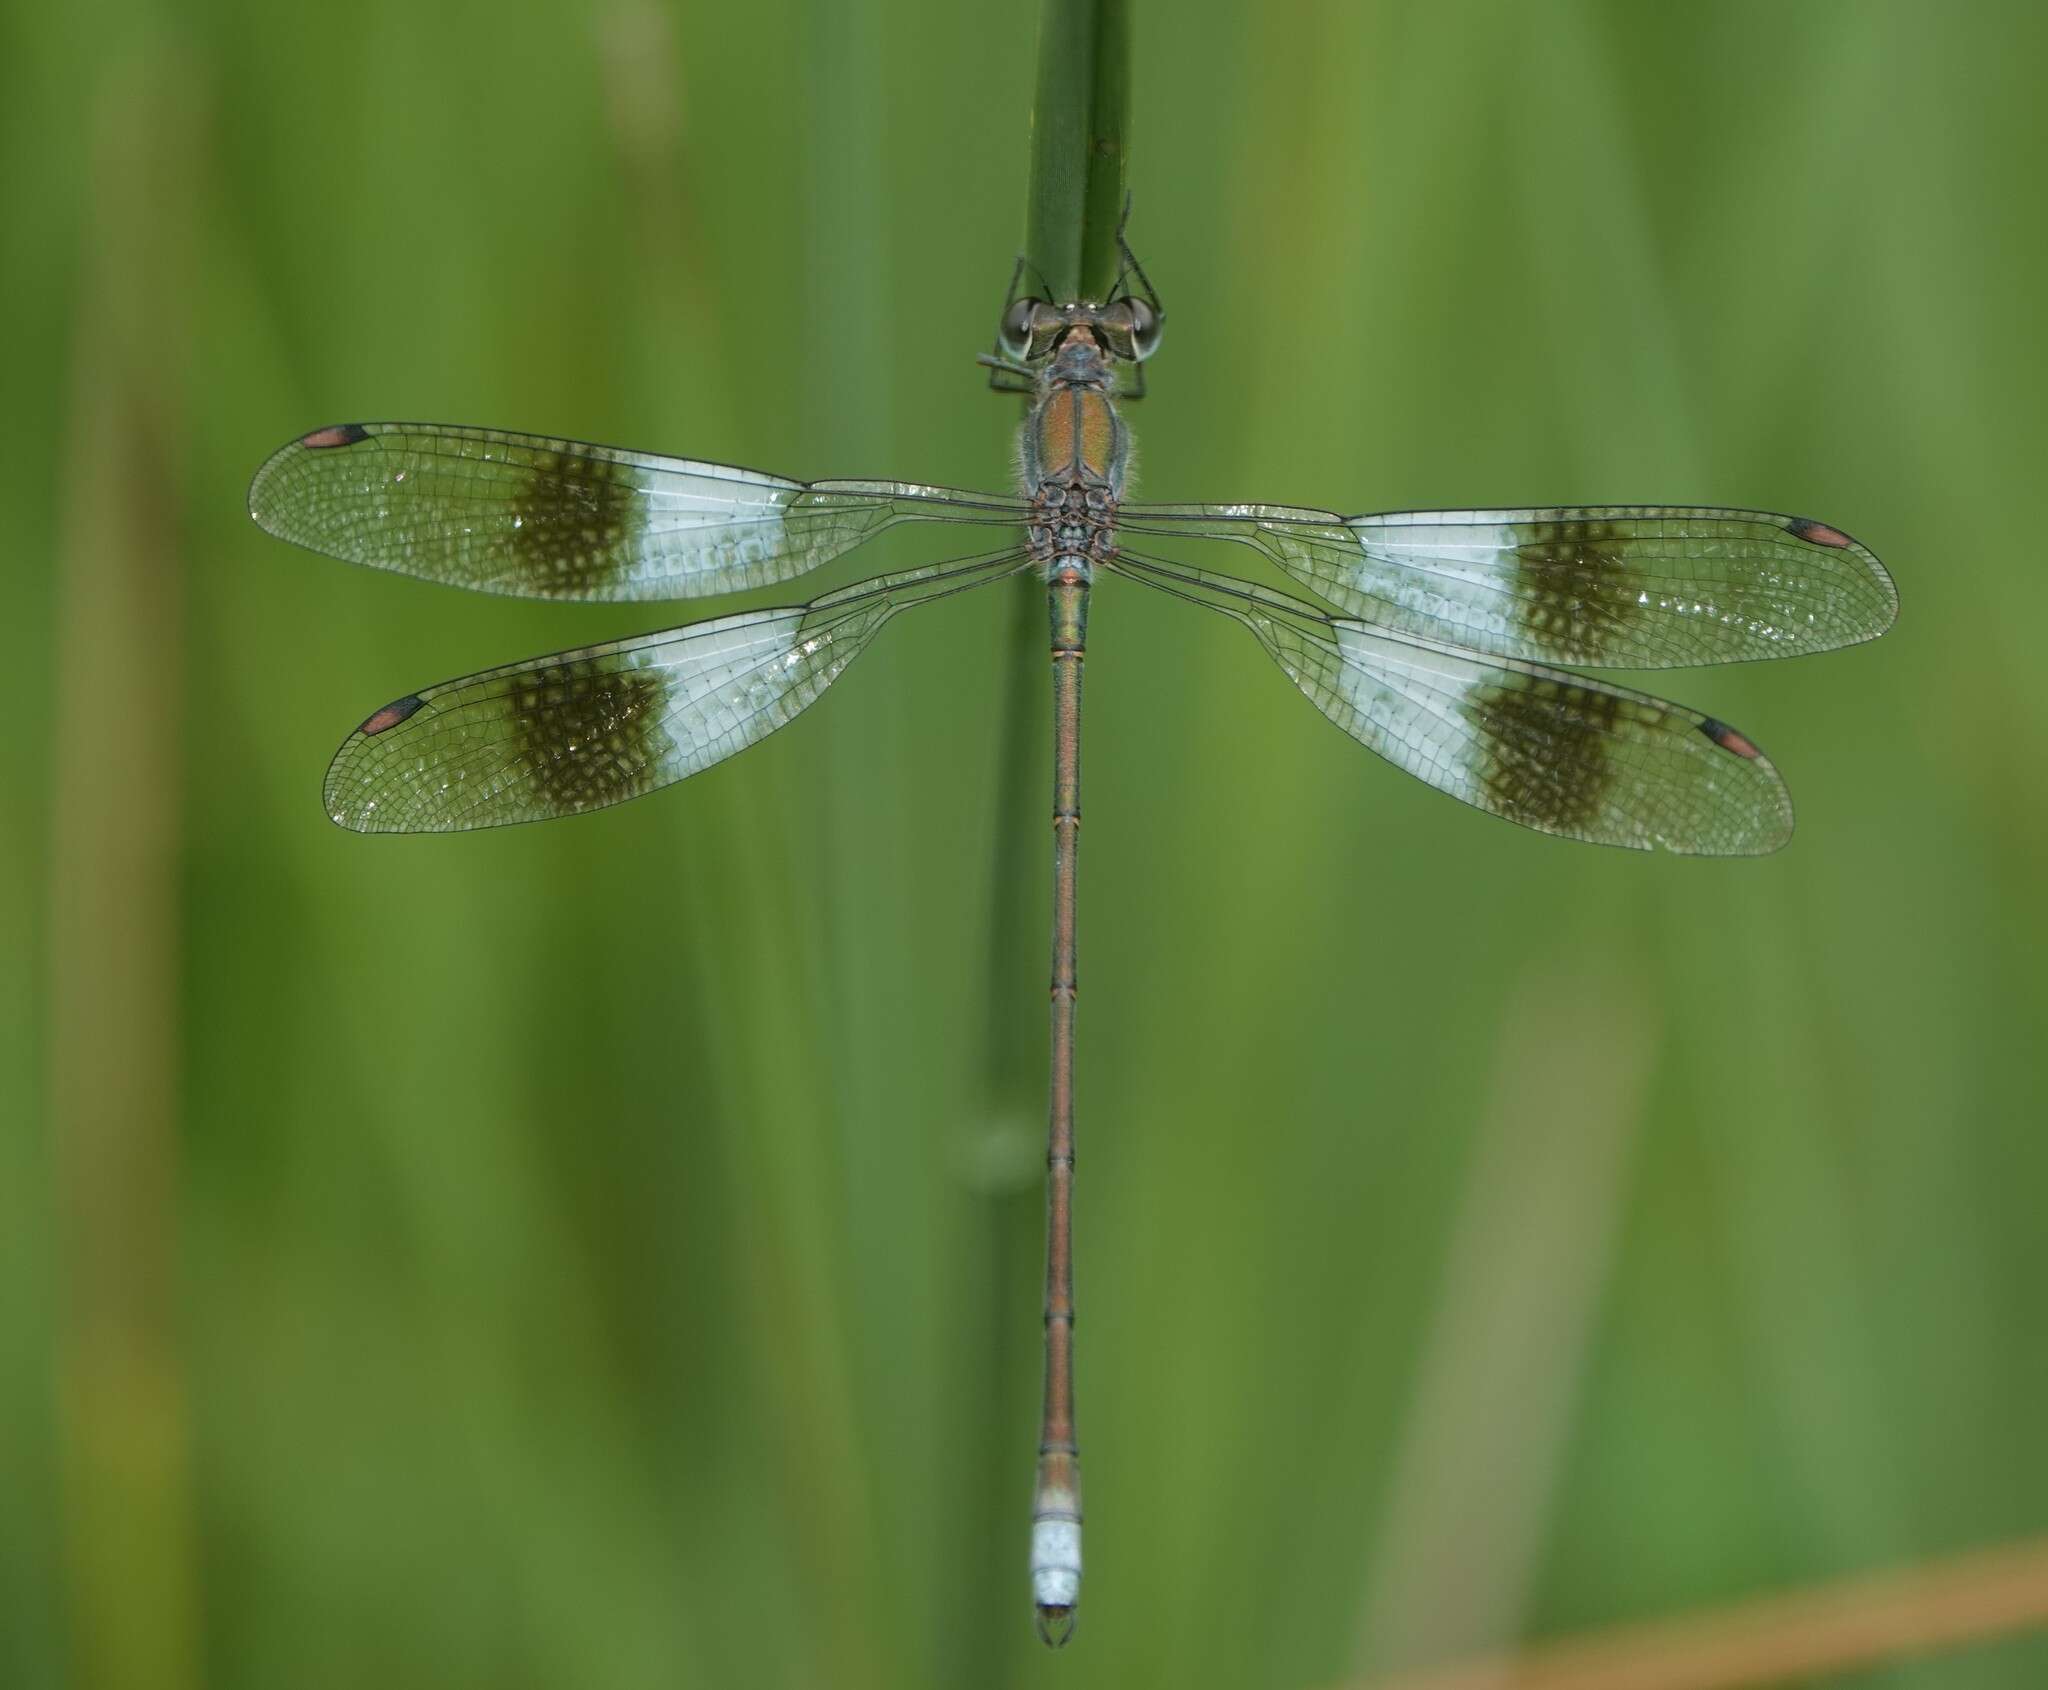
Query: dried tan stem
[[1832, 1628]]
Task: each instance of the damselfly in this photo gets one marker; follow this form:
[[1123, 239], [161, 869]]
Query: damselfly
[[1434, 645]]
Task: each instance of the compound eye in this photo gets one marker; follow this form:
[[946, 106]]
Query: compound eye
[[1145, 326], [1015, 332]]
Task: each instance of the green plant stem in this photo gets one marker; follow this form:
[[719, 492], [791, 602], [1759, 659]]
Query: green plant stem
[[1079, 127]]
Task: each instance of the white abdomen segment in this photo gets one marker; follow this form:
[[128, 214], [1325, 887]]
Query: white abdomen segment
[[1055, 1563]]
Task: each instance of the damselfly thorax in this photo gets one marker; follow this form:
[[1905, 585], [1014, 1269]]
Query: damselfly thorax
[[1074, 449]]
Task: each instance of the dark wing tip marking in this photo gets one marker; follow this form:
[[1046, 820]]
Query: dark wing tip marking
[[1818, 533], [1728, 739], [1835, 539], [392, 714], [340, 434]]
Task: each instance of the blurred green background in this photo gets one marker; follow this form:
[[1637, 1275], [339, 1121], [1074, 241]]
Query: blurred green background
[[608, 1254]]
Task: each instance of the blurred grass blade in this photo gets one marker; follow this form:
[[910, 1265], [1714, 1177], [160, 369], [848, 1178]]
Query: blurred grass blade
[[1492, 1409], [114, 1022]]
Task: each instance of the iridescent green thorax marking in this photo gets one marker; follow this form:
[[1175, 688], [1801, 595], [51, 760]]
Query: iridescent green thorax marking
[[571, 519], [587, 737], [1573, 585], [1547, 763]]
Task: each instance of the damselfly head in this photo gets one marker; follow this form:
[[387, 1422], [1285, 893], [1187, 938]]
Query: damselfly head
[[1033, 330]]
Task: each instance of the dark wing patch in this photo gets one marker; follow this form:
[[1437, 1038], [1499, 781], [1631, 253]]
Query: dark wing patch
[[1574, 585], [588, 735], [1545, 747], [572, 521]]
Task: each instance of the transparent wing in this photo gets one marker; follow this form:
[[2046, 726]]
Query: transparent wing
[[1616, 586], [1540, 746], [533, 517], [578, 730]]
